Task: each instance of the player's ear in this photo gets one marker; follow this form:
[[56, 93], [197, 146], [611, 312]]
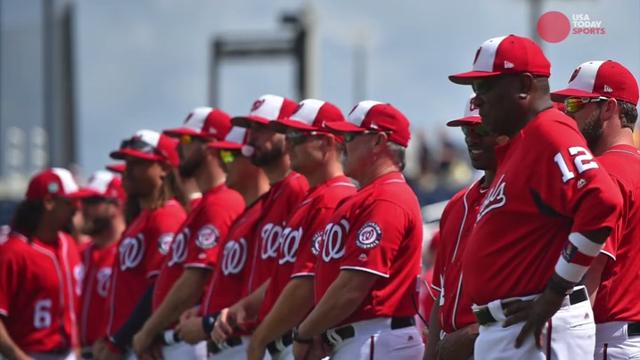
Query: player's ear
[[609, 109], [525, 85]]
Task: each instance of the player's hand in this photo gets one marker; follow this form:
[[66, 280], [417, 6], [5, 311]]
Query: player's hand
[[227, 322], [316, 350], [535, 315], [458, 345], [107, 354], [153, 352], [141, 342], [190, 330]]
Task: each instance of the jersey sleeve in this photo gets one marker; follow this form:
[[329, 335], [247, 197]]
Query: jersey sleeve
[[375, 237], [305, 264], [9, 280], [575, 185], [215, 221], [161, 230]]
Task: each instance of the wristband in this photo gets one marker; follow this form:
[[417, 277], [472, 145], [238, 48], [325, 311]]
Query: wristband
[[208, 322], [296, 338]]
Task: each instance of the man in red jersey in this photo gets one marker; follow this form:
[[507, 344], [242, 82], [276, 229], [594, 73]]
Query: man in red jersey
[[287, 190], [39, 265], [366, 283], [234, 257], [544, 219], [602, 97], [316, 154], [193, 253], [150, 159], [451, 313], [102, 208]]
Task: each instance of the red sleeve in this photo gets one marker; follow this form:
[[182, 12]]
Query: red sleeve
[[159, 234], [575, 185], [202, 251], [611, 245], [374, 238], [309, 248], [9, 280]]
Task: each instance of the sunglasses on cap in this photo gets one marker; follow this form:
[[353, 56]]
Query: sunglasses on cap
[[138, 145], [299, 137], [479, 130], [575, 104], [228, 156]]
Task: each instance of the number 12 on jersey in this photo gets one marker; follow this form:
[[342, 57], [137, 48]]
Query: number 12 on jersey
[[582, 159]]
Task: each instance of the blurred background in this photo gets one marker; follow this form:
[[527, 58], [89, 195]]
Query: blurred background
[[76, 77]]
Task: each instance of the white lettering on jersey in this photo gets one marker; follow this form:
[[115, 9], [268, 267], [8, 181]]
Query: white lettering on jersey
[[289, 245], [104, 279], [131, 251], [270, 237], [333, 240], [495, 198], [78, 275], [234, 256], [179, 247]]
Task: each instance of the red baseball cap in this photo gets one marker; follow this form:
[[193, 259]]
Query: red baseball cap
[[375, 116], [117, 168], [471, 115], [149, 145], [265, 109], [235, 140], [204, 122], [104, 184], [310, 115], [53, 182], [509, 54], [606, 78]]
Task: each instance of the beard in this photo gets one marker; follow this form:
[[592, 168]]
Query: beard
[[263, 158], [97, 225], [592, 129], [189, 166]]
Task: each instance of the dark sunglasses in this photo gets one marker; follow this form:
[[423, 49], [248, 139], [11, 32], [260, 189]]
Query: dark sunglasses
[[299, 137], [228, 156], [349, 137], [479, 130]]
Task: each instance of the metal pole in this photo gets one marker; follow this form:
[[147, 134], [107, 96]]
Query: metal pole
[[47, 81]]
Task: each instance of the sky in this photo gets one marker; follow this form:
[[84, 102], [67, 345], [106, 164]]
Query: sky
[[144, 63]]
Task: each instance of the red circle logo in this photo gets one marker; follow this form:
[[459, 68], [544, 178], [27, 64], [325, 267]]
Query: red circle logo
[[553, 26]]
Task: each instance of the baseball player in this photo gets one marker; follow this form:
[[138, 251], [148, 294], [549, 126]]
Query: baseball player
[[544, 218], [150, 158], [315, 153], [193, 253], [102, 205], [602, 97], [369, 260], [40, 272], [236, 250], [287, 190], [451, 314]]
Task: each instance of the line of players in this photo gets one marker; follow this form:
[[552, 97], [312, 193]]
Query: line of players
[[283, 257]]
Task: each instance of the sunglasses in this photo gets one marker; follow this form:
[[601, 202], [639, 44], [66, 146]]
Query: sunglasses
[[349, 137], [575, 104], [228, 156], [299, 137], [479, 130]]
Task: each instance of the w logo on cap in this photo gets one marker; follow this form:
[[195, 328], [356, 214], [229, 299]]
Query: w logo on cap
[[574, 75], [256, 104], [472, 104]]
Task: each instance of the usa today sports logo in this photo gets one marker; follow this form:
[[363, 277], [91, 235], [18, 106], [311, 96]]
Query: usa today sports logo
[[554, 26]]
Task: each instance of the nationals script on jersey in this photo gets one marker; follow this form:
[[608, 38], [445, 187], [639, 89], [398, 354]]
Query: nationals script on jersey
[[141, 252], [39, 291], [378, 230], [547, 186], [196, 243]]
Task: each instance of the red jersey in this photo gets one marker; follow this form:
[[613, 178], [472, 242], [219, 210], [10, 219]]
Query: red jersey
[[98, 263], [547, 186], [229, 280], [39, 288], [195, 244], [141, 252], [379, 231], [296, 256], [618, 297], [283, 197], [456, 224]]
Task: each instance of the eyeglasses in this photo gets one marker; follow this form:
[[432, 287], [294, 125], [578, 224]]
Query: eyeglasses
[[350, 136], [299, 137], [228, 156], [575, 104], [186, 139], [479, 130]]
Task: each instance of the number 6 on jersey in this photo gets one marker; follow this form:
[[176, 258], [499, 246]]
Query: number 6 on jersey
[[583, 161]]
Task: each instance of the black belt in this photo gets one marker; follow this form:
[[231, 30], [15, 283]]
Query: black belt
[[348, 331], [86, 353], [484, 315], [633, 329], [277, 346], [214, 348]]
